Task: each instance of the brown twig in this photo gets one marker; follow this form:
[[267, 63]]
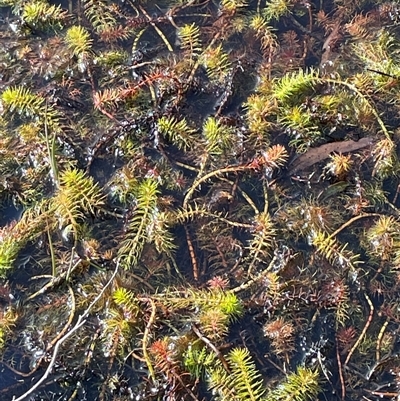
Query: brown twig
[[145, 340], [339, 362], [157, 29], [364, 331], [379, 339], [195, 266]]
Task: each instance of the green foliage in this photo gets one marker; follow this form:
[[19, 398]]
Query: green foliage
[[260, 111], [216, 315], [245, 379], [42, 16], [159, 234], [334, 252], [218, 137], [294, 87], [78, 40], [9, 249], [193, 211], [381, 54], [29, 132], [259, 23], [243, 383], [230, 305], [121, 320], [81, 191], [216, 62], [385, 158], [112, 58], [374, 193], [7, 323], [262, 240], [98, 12], [189, 36], [177, 132], [22, 101], [233, 5], [9, 3], [297, 118], [15, 236], [198, 360], [300, 386], [383, 237], [264, 32], [195, 136], [137, 232], [203, 300], [3, 336], [77, 197], [226, 302], [275, 9], [117, 332], [302, 127], [126, 299], [181, 216]]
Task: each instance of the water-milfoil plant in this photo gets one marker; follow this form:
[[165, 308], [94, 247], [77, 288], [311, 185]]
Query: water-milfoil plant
[[77, 198], [161, 217]]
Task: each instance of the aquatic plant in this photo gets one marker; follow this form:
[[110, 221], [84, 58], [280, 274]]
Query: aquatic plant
[[200, 200], [300, 386], [22, 101], [137, 230], [243, 382], [77, 198], [41, 16], [177, 132], [78, 40]]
